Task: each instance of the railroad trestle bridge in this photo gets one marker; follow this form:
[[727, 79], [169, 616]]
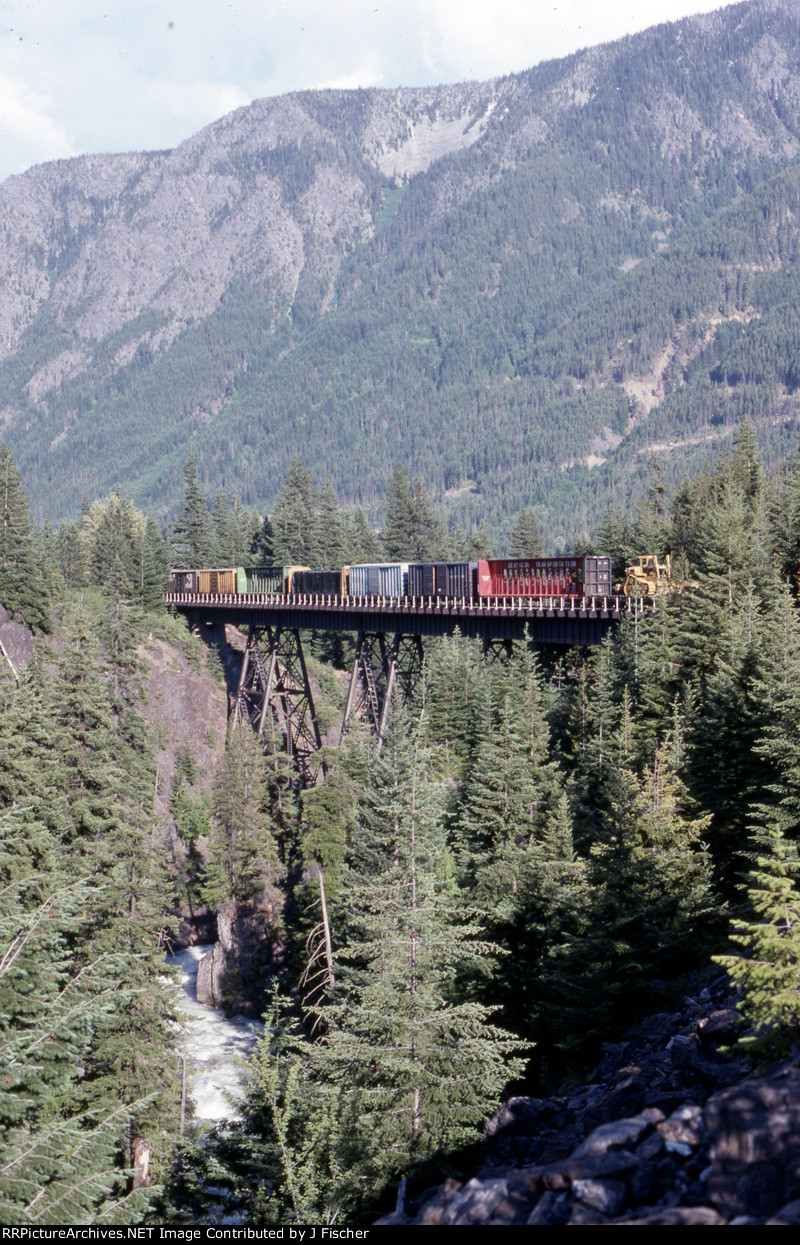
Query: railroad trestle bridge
[[388, 654]]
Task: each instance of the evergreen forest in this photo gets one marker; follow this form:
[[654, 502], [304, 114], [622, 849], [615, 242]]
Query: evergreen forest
[[596, 269], [549, 845]]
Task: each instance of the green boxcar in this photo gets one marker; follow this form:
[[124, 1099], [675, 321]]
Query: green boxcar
[[262, 578]]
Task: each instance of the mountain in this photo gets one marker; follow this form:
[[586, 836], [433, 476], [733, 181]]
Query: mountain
[[524, 289]]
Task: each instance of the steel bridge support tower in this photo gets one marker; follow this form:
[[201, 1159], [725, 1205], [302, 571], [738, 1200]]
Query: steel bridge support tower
[[274, 678], [379, 671]]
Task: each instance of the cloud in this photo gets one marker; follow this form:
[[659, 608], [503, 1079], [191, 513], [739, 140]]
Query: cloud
[[366, 73], [28, 132], [93, 76]]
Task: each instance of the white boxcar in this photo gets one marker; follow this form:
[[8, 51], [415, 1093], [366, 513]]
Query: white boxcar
[[379, 579]]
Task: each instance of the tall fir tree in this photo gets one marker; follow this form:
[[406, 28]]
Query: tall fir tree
[[107, 775], [242, 858], [766, 969], [294, 520], [192, 537], [404, 1069], [22, 588], [398, 529], [526, 539], [59, 1162]]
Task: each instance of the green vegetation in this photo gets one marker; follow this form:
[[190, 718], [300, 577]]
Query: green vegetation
[[543, 850], [609, 270]]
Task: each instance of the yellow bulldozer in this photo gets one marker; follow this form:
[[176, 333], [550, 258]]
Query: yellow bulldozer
[[646, 577]]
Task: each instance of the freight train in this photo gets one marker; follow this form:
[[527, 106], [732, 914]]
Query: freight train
[[492, 577]]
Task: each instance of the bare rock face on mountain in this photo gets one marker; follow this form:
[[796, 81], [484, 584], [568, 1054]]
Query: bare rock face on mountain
[[512, 284]]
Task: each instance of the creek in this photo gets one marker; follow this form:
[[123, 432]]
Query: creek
[[215, 1044]]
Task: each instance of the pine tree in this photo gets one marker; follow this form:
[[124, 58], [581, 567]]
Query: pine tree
[[330, 542], [192, 538], [428, 537], [31, 777], [22, 591], [107, 775], [71, 555], [262, 544], [613, 540], [398, 530], [455, 693], [294, 521], [526, 539], [767, 970], [222, 533], [59, 1164], [724, 720], [405, 1067], [594, 716], [360, 542], [650, 903], [514, 838], [775, 712], [153, 567], [112, 532], [242, 857], [412, 531]]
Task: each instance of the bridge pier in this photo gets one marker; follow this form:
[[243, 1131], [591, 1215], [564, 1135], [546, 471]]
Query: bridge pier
[[377, 671], [495, 649], [274, 678]]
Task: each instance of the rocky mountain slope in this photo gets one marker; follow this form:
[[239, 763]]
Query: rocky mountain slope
[[523, 288]]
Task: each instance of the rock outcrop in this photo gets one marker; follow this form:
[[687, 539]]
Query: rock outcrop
[[16, 644], [669, 1131], [234, 973]]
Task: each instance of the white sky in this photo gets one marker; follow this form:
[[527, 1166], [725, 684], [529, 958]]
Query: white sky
[[81, 76]]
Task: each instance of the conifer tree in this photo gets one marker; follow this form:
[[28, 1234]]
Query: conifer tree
[[294, 520], [242, 857], [330, 542], [407, 1069], [456, 693], [613, 540], [724, 720], [71, 555], [22, 590], [222, 533], [59, 1164], [650, 901], [360, 542], [262, 544], [107, 776], [428, 536], [767, 969], [398, 529], [192, 538], [514, 837], [526, 539], [112, 532], [31, 740], [153, 566], [49, 560], [478, 544], [594, 716]]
